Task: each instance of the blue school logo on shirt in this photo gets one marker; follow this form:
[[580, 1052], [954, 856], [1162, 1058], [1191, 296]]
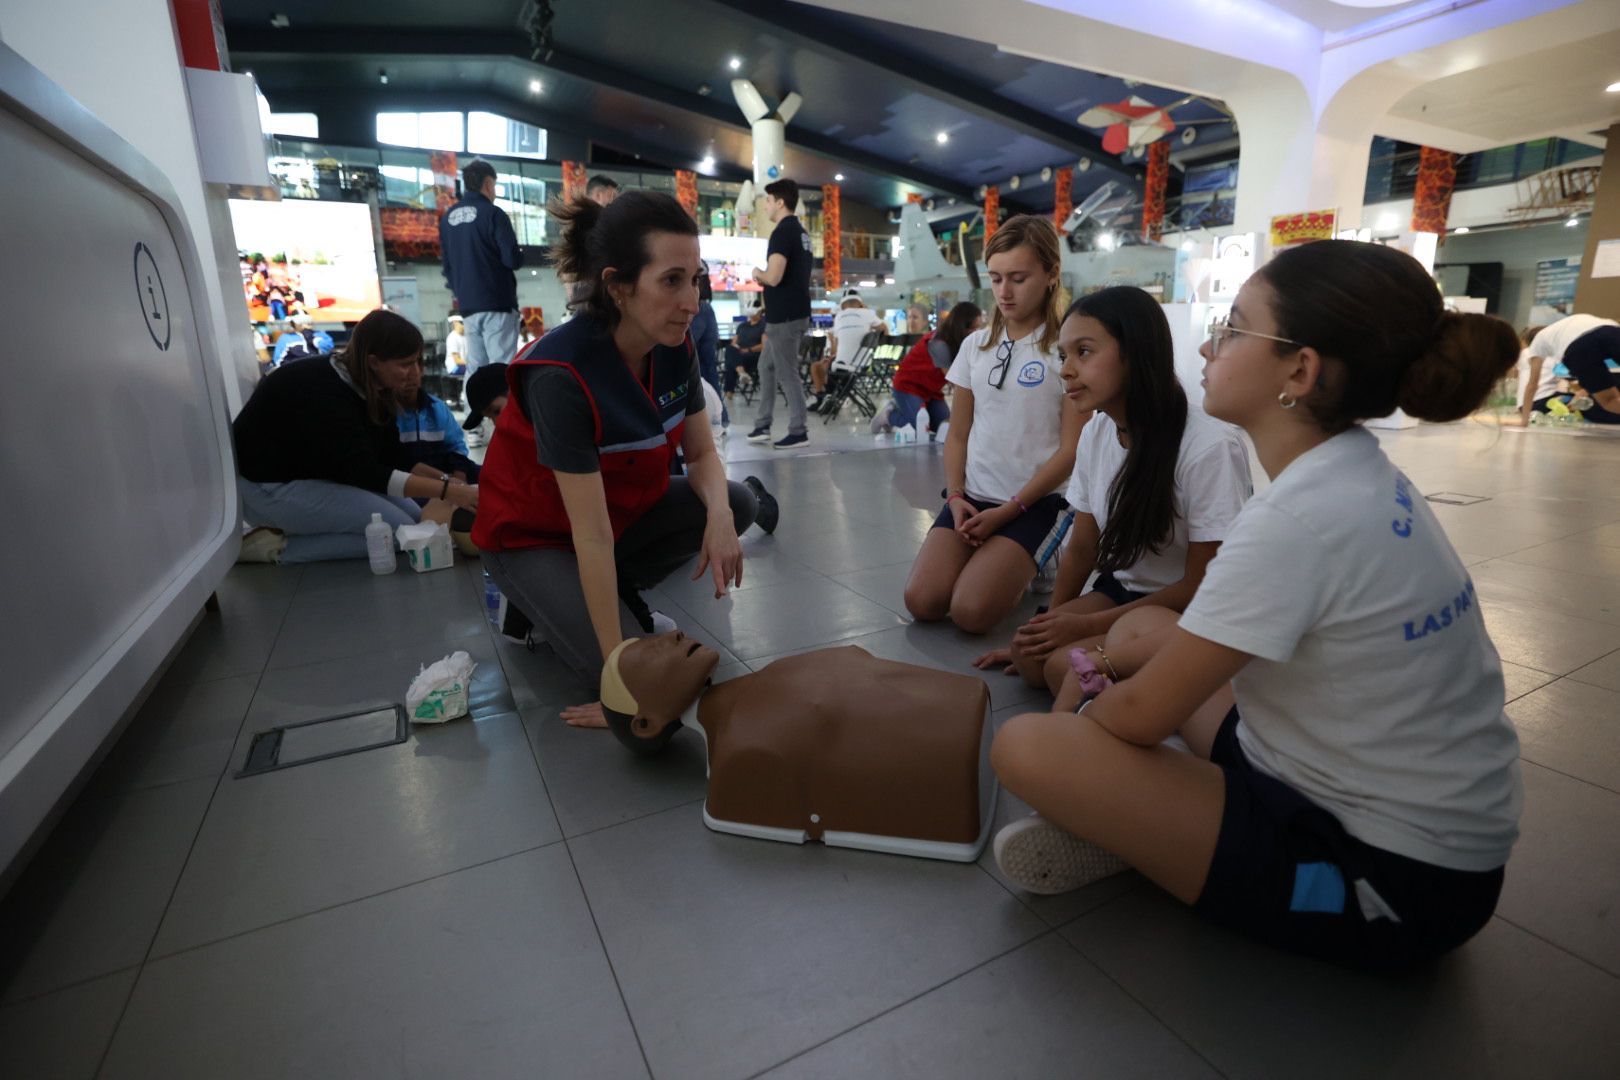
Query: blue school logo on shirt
[[1032, 374]]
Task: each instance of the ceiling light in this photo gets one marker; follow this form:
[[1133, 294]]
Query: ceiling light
[[534, 86], [1388, 221], [1613, 88], [1572, 222], [707, 164], [868, 284], [1461, 230], [942, 137], [280, 22], [736, 63], [838, 178], [382, 76]]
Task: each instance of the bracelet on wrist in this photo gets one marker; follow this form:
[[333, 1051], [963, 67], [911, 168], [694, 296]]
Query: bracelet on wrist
[[1107, 663], [444, 490], [1092, 681], [1022, 509]]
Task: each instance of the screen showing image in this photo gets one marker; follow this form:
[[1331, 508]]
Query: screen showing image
[[732, 260], [301, 255]]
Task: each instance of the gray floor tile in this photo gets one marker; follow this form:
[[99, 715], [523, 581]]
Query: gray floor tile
[[1604, 671], [1587, 594], [844, 552], [185, 731], [62, 1036], [735, 954], [227, 644], [764, 565], [884, 584], [1573, 556], [796, 614], [333, 687], [1608, 535], [594, 782], [373, 623], [495, 971], [1572, 727], [91, 900], [350, 581], [1538, 637], [1041, 1011], [1564, 875], [1522, 680], [290, 842], [1503, 1005], [537, 677]]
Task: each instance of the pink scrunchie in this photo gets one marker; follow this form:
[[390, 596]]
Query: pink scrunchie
[[1092, 681]]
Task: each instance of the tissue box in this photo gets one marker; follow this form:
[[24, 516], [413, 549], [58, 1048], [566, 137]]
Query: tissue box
[[427, 546]]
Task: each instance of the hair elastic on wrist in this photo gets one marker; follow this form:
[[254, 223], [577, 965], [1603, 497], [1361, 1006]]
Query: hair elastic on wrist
[[1022, 509]]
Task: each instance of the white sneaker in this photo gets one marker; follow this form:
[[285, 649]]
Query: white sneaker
[[663, 624], [262, 545], [1041, 858], [1045, 579]]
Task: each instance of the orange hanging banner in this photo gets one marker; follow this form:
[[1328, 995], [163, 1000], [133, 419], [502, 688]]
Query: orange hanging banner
[[686, 192], [992, 211], [832, 267], [442, 163], [1158, 178], [1063, 196], [1436, 180], [573, 180]]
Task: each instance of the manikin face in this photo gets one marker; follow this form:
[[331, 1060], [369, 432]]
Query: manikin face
[[1094, 370], [1020, 283], [664, 300], [1242, 380], [664, 676], [402, 377]]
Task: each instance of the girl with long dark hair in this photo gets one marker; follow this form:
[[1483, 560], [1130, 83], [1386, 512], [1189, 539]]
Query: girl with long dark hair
[[1154, 488], [1010, 445], [919, 381], [580, 512], [1353, 789]]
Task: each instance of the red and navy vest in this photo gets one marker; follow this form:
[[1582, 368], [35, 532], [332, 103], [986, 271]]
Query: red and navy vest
[[638, 428]]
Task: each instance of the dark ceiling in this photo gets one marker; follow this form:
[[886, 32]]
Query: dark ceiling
[[651, 78]]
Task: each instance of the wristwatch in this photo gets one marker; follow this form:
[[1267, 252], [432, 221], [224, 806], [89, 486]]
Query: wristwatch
[[444, 492]]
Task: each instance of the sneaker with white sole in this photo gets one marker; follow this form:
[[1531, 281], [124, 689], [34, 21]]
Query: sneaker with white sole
[[788, 442], [1041, 858], [663, 624], [760, 434], [262, 545]]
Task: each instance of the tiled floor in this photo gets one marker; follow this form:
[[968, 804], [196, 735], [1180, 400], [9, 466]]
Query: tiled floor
[[505, 896]]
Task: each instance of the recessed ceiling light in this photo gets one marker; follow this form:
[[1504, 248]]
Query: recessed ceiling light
[[838, 177], [736, 63], [382, 77], [707, 163], [942, 137], [1613, 88], [534, 86], [1461, 230]]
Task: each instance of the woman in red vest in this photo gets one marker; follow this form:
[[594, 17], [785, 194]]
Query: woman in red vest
[[578, 510], [919, 381]]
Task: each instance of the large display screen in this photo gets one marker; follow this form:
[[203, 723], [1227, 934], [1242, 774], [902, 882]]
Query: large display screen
[[732, 260], [302, 255]]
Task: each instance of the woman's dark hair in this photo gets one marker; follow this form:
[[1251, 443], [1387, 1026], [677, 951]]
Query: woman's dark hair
[[957, 325], [385, 336], [595, 238], [705, 286], [1386, 340], [1141, 498]]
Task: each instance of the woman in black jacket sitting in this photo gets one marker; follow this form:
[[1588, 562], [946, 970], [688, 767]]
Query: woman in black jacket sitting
[[318, 451]]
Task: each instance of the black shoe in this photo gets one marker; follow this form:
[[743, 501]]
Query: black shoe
[[760, 434], [517, 628], [769, 513], [631, 597], [787, 442]]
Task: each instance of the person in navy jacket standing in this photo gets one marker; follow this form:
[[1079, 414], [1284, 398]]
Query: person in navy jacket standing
[[480, 256], [578, 510]]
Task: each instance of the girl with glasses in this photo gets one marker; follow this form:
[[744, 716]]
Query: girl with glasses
[[1353, 788], [1010, 445], [1154, 491]]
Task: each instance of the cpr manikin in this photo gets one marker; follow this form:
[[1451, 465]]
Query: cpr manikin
[[834, 745]]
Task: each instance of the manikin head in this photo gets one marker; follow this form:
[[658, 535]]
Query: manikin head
[[648, 683]]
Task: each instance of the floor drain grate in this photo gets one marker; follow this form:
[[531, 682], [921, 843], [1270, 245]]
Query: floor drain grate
[[329, 737], [1452, 498]]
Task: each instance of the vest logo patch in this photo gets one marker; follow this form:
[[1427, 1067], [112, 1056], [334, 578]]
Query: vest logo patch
[[671, 396], [1032, 374], [462, 215]]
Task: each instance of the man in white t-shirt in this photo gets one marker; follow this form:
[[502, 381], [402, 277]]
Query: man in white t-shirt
[[455, 347], [852, 323], [1585, 344]]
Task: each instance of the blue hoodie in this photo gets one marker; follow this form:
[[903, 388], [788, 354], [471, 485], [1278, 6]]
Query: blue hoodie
[[430, 434], [480, 254]]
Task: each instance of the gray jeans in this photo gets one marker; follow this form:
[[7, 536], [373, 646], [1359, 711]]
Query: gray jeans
[[492, 338], [780, 362], [544, 583], [322, 520]]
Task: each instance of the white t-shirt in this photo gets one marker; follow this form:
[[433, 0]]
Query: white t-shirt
[[1212, 484], [455, 348], [849, 326], [1016, 428], [1375, 690], [1555, 339], [1546, 386]]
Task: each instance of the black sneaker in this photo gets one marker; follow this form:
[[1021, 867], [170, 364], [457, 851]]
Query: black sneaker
[[517, 628], [769, 512], [760, 434], [787, 442]]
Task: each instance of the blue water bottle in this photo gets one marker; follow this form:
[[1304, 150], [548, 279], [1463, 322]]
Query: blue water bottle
[[492, 601]]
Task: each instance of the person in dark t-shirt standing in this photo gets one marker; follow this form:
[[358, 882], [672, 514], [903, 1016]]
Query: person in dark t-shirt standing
[[786, 280]]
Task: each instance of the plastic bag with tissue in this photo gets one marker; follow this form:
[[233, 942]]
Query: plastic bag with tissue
[[427, 545], [439, 691]]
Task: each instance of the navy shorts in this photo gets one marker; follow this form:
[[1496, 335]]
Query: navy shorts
[[1027, 530], [1286, 872], [1110, 587]]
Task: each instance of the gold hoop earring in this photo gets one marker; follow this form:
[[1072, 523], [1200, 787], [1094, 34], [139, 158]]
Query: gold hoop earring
[[1285, 401]]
